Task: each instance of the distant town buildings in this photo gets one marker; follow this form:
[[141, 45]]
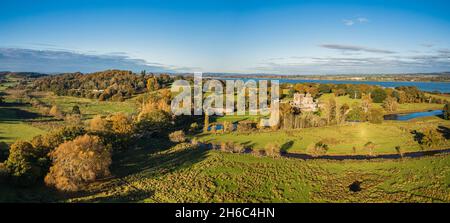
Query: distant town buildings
[[304, 102]]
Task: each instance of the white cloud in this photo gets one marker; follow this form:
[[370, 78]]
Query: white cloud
[[351, 22], [348, 22]]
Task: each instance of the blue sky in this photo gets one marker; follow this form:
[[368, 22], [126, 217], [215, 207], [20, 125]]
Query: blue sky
[[283, 37]]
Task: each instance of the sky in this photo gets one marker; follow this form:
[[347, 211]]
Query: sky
[[275, 37]]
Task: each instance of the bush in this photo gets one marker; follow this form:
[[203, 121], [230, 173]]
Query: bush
[[370, 147], [447, 111], [76, 110], [320, 148], [272, 149], [375, 116], [121, 124], [431, 138], [194, 127], [177, 136], [157, 121], [56, 112], [390, 104], [73, 119], [98, 124], [245, 126], [22, 163], [77, 163]]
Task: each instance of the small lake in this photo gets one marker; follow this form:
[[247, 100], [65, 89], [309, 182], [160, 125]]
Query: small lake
[[408, 116], [443, 87]]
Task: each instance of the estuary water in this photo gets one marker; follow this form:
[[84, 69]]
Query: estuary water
[[443, 87]]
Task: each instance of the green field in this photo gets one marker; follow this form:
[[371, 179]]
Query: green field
[[13, 124], [89, 107], [196, 175], [340, 139]]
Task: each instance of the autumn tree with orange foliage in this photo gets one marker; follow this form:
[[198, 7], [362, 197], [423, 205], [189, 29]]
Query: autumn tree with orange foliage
[[77, 163]]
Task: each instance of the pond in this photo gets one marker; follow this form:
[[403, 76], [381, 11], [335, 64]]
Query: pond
[[408, 116]]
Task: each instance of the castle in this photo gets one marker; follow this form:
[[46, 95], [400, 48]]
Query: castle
[[304, 102]]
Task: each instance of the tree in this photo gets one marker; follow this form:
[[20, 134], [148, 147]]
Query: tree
[[356, 113], [76, 110], [378, 95], [152, 84], [1, 99], [55, 111], [177, 136], [366, 102], [78, 162], [330, 110], [447, 111], [22, 163], [206, 123], [370, 147], [273, 149], [320, 148], [121, 124], [399, 151], [431, 138], [390, 104], [375, 116], [155, 122], [98, 124]]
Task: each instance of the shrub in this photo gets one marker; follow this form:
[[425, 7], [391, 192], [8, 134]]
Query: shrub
[[98, 124], [76, 110], [390, 104], [370, 147], [431, 138], [55, 111], [245, 126], [22, 163], [399, 151], [121, 124], [227, 146], [227, 126], [177, 136], [320, 148], [194, 127], [378, 95], [78, 162], [447, 111], [157, 121], [272, 149], [73, 119], [375, 116]]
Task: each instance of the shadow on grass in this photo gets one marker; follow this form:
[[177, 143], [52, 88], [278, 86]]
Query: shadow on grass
[[16, 114], [139, 164], [444, 131]]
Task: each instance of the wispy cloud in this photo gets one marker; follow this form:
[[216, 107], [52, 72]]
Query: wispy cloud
[[351, 22], [348, 22], [438, 61], [355, 48], [17, 59], [428, 45]]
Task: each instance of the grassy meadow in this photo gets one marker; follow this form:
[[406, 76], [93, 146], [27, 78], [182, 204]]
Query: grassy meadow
[[340, 139], [196, 175], [158, 171]]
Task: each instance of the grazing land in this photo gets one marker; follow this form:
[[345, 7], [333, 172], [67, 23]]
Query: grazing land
[[192, 175], [153, 156]]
